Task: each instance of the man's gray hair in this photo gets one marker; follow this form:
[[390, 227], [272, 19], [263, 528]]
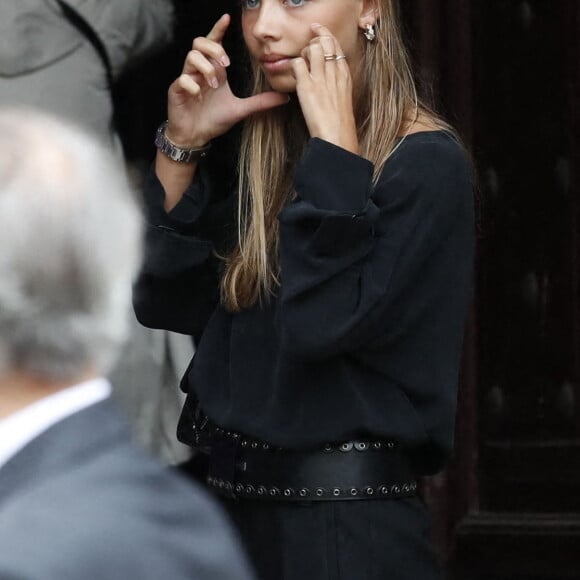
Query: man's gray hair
[[70, 243]]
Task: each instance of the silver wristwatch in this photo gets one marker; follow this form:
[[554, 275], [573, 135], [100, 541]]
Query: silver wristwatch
[[177, 153]]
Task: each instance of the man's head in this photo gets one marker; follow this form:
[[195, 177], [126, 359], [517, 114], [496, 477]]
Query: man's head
[[69, 247]]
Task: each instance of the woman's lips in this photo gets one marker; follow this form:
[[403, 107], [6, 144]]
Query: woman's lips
[[276, 64]]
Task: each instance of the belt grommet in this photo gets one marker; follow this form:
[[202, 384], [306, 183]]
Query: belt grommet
[[406, 488], [250, 489], [336, 492], [265, 447], [303, 492], [377, 444], [319, 492], [210, 480], [328, 448], [384, 490], [369, 491], [345, 447], [396, 489], [361, 445], [228, 486], [274, 491], [413, 486], [254, 445], [288, 492], [239, 488], [390, 444], [353, 491], [221, 483], [244, 443], [262, 490]]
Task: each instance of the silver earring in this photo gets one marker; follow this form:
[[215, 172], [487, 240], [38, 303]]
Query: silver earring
[[370, 32]]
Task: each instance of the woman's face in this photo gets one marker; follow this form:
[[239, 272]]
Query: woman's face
[[276, 31]]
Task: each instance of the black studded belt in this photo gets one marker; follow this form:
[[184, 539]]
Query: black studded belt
[[242, 468]]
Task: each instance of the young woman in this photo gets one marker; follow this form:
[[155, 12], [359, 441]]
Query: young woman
[[327, 286]]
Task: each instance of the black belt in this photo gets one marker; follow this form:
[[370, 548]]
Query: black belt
[[244, 468]]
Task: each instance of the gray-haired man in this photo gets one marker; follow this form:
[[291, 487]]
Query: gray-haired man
[[77, 500]]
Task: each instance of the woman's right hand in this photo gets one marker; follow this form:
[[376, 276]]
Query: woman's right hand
[[201, 105]]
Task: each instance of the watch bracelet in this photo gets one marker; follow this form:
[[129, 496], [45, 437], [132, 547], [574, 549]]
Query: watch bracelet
[[173, 151]]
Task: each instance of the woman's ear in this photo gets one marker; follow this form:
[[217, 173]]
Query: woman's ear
[[369, 13]]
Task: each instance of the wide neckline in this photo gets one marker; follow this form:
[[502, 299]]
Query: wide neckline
[[430, 132]]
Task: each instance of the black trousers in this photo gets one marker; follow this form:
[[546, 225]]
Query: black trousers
[[337, 540], [378, 539]]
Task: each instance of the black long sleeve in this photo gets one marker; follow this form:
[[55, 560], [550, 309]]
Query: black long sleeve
[[178, 286], [364, 336]]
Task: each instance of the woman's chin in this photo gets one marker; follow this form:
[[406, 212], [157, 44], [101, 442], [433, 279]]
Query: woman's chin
[[282, 83]]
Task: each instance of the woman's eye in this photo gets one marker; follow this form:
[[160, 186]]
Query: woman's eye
[[295, 3], [249, 4]]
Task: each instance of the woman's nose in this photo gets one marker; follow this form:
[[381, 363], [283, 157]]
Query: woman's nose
[[267, 25]]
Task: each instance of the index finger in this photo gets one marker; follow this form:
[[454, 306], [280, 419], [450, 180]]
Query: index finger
[[321, 31], [219, 29]]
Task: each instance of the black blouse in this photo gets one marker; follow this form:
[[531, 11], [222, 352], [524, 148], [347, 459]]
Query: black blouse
[[363, 338]]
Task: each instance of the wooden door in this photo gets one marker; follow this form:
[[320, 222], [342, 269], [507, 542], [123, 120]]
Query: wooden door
[[507, 73]]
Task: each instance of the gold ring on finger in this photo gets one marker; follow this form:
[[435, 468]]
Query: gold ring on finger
[[330, 57]]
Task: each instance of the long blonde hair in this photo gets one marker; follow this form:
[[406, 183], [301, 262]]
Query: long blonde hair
[[385, 100]]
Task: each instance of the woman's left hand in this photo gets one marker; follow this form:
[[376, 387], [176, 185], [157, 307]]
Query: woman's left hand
[[324, 89]]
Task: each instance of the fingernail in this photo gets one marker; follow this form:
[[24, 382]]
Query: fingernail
[[316, 25], [214, 83], [225, 61]]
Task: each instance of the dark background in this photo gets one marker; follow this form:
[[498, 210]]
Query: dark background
[[506, 73]]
